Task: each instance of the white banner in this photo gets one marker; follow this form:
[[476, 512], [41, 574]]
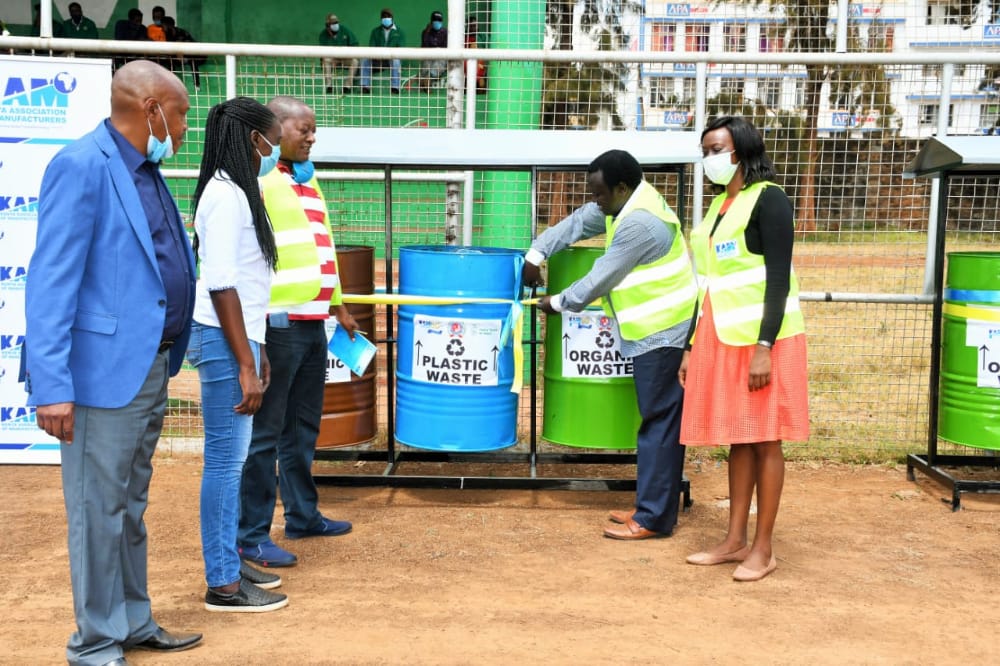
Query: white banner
[[47, 103], [462, 352], [985, 337], [592, 346]]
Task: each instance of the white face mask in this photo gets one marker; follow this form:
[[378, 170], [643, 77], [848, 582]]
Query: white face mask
[[719, 168]]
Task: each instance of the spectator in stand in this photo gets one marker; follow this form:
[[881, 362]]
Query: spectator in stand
[[434, 36], [130, 29], [155, 31], [472, 42], [387, 33], [335, 34], [178, 62], [78, 26]]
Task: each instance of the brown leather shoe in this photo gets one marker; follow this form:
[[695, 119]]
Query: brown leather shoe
[[747, 575], [620, 517], [708, 559], [632, 531]]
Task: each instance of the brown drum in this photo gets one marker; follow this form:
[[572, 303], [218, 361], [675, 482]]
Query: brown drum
[[349, 401]]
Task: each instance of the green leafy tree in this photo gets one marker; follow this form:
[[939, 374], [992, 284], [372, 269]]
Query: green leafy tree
[[580, 93], [860, 89]]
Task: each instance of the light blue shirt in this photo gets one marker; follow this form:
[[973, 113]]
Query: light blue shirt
[[640, 238]]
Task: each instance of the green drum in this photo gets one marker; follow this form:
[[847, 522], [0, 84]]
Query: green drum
[[589, 394], [969, 411]]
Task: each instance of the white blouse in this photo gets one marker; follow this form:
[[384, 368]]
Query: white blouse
[[229, 256]]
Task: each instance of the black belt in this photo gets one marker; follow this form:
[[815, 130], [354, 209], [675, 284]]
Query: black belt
[[164, 346]]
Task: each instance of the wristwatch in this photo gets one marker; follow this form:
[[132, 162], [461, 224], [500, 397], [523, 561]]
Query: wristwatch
[[765, 344]]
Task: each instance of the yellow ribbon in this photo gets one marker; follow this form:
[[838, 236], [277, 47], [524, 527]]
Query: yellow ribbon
[[971, 312], [410, 299]]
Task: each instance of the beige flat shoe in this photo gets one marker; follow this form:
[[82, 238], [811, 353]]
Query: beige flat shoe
[[746, 575], [709, 559]]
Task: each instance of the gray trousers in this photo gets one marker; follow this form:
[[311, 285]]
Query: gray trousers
[[105, 474]]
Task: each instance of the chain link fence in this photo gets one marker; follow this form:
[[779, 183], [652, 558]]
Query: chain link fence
[[840, 127]]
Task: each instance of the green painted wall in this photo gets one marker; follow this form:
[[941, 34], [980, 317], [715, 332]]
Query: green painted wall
[[269, 22]]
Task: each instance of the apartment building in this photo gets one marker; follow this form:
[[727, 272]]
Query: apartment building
[[903, 99]]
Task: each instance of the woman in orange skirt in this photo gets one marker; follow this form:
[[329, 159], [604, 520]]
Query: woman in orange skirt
[[744, 377]]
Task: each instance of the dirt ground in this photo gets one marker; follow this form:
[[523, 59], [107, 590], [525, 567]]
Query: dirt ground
[[872, 569]]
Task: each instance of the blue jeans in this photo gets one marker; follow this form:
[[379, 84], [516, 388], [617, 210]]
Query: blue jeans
[[227, 439], [659, 453], [284, 432], [395, 73]]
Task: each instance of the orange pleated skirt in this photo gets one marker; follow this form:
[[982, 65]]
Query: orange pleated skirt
[[719, 408]]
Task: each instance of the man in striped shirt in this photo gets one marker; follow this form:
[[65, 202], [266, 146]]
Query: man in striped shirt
[[305, 292]]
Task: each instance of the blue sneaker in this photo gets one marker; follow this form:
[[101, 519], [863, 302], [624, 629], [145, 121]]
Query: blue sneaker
[[268, 554], [326, 527]]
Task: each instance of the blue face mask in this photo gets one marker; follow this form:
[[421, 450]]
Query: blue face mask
[[387, 23], [302, 172], [437, 25], [268, 162], [157, 150]]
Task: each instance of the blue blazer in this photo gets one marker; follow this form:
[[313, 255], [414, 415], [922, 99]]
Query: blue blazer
[[95, 304]]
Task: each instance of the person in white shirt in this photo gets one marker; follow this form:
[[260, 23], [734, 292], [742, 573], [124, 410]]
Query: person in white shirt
[[236, 252]]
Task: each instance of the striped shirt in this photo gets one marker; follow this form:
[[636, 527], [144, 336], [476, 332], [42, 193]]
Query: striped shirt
[[319, 307]]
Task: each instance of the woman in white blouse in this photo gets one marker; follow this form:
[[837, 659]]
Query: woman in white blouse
[[235, 247]]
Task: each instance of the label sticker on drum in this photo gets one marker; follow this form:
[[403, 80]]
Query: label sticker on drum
[[985, 337], [591, 346], [462, 352], [336, 371]]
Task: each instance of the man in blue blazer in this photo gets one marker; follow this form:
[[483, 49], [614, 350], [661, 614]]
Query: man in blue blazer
[[110, 292]]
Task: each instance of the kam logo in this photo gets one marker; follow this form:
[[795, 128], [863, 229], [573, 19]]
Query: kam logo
[[10, 346], [18, 207], [36, 100], [17, 418], [13, 277]]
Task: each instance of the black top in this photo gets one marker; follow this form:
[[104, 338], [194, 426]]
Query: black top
[[770, 232]]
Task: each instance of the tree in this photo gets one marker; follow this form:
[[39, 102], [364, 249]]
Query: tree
[[581, 93], [858, 89]]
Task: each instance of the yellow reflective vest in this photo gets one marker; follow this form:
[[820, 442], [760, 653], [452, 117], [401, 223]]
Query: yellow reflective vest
[[737, 276], [297, 277], [655, 296]]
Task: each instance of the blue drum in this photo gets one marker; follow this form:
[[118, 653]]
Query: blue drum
[[454, 374]]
